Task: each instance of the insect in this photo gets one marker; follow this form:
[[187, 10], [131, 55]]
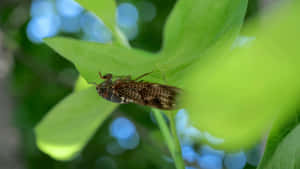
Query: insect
[[125, 90]]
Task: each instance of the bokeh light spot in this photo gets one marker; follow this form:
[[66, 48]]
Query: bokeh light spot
[[41, 8], [70, 24], [181, 120], [130, 143], [188, 153], [89, 22], [235, 160], [127, 15], [94, 29], [210, 162], [68, 8], [122, 128], [147, 11], [42, 27]]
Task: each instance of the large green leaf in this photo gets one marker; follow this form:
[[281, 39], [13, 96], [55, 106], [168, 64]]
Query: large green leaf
[[195, 25], [236, 95], [287, 154], [70, 124], [91, 58]]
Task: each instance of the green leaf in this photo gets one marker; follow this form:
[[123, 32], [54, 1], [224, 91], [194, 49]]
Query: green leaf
[[81, 83], [70, 124], [287, 154], [104, 9], [195, 25], [276, 136], [91, 58], [236, 95]]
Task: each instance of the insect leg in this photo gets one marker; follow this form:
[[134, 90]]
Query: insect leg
[[143, 75]]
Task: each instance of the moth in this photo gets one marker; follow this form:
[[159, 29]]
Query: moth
[[126, 90]]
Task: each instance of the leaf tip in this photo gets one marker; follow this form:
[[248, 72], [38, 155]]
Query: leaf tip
[[58, 152]]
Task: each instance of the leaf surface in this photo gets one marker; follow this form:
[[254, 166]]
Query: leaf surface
[[71, 123]]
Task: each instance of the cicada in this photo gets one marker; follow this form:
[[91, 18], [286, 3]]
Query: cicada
[[125, 90]]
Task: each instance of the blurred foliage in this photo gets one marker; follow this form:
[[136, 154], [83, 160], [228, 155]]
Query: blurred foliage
[[275, 143], [287, 153], [253, 84]]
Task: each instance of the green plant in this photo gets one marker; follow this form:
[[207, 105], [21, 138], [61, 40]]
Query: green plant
[[235, 94]]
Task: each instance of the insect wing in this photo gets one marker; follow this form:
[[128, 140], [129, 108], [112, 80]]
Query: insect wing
[[149, 94]]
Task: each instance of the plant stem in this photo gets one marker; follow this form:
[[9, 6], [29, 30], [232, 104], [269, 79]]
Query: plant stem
[[171, 141], [165, 130], [177, 152]]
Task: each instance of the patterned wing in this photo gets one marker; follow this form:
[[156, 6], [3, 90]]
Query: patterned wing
[[149, 94], [160, 96]]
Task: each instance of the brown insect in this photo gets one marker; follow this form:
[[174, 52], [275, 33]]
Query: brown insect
[[124, 90]]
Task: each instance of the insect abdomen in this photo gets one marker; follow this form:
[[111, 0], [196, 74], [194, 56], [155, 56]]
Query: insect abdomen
[[149, 94]]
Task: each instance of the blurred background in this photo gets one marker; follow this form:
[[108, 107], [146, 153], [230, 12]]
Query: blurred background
[[33, 78]]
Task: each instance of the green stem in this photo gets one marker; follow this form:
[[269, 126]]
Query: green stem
[[177, 152], [165, 130], [171, 141]]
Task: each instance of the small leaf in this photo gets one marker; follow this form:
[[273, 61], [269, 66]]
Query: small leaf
[[195, 25], [236, 95], [70, 124], [81, 84], [287, 154], [91, 58]]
